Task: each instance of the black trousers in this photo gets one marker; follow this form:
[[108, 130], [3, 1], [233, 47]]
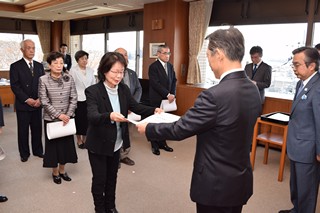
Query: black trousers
[[34, 120], [218, 209], [104, 179]]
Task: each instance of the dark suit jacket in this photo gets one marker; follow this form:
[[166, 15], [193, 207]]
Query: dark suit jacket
[[23, 85], [262, 77], [161, 84], [303, 141], [102, 132], [68, 61], [223, 118]]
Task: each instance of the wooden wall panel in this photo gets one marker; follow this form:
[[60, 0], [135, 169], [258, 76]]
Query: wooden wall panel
[[174, 14]]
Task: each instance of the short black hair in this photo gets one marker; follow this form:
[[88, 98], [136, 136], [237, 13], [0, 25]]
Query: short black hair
[[80, 54], [53, 56], [256, 49], [311, 55], [107, 61], [63, 45], [317, 46]]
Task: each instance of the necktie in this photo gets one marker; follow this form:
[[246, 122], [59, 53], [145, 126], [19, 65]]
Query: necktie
[[300, 88], [165, 68], [254, 70], [31, 68]]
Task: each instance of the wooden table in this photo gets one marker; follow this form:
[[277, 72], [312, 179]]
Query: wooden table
[[6, 95]]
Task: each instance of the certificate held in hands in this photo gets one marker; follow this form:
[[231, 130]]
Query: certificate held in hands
[[168, 107], [57, 130]]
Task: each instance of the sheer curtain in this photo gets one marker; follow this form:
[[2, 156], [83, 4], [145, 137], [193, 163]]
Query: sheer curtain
[[44, 33], [198, 25]]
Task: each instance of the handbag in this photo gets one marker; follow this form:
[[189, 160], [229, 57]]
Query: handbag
[[58, 130]]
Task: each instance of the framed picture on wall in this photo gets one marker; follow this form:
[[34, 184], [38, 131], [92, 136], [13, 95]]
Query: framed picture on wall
[[153, 47]]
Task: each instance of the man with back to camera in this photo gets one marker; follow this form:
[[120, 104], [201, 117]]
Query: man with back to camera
[[24, 80], [130, 78], [258, 71], [223, 118], [303, 140], [66, 57], [162, 85]]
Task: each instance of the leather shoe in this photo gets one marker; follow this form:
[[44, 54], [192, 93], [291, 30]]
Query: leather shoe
[[23, 159], [65, 177], [167, 148], [127, 161], [3, 198], [284, 211], [114, 210], [155, 151], [56, 179]]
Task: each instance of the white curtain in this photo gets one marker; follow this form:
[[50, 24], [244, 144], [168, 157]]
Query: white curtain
[[199, 17]]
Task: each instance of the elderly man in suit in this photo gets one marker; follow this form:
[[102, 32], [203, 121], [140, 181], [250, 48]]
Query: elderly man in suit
[[130, 78], [223, 118], [162, 85], [24, 80], [303, 141], [258, 71]]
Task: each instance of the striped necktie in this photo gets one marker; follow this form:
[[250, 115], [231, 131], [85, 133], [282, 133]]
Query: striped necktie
[[31, 69], [254, 70]]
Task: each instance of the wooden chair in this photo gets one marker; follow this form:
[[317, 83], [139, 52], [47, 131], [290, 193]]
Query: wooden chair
[[263, 132]]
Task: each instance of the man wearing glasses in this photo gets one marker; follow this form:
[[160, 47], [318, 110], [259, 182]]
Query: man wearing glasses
[[162, 85]]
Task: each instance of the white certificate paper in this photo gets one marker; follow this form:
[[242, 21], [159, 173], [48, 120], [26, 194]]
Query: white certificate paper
[[158, 118], [168, 107], [280, 117]]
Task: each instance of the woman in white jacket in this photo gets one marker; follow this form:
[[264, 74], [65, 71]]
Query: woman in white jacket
[[83, 77]]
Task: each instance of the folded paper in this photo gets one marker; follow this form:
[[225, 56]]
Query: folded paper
[[168, 107]]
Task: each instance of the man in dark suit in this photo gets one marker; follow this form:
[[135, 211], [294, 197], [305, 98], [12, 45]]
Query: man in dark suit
[[303, 140], [130, 78], [24, 80], [258, 71], [223, 118], [67, 58], [162, 85]]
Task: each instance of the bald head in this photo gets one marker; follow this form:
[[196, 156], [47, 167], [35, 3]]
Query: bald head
[[123, 52]]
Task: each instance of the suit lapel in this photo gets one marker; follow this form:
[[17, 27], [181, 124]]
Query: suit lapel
[[105, 97], [305, 91]]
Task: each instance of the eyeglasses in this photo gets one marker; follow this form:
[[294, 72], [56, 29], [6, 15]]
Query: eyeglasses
[[117, 72], [296, 65], [166, 53]]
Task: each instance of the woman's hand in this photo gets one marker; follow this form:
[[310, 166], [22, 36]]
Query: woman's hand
[[117, 117], [158, 110], [64, 118]]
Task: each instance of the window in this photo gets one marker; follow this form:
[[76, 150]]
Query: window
[[10, 46], [277, 42], [96, 46]]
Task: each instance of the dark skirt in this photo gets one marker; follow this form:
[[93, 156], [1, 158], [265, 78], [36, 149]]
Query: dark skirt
[[59, 151], [81, 119]]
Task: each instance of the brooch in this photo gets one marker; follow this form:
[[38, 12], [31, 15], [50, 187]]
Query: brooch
[[304, 97]]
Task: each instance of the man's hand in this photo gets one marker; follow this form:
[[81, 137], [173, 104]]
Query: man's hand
[[142, 127], [37, 103], [31, 102], [171, 98], [318, 158], [158, 110]]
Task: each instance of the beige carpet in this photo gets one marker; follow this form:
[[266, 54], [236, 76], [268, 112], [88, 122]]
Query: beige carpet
[[156, 184]]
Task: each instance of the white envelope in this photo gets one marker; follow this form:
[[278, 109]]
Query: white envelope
[[57, 130]]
